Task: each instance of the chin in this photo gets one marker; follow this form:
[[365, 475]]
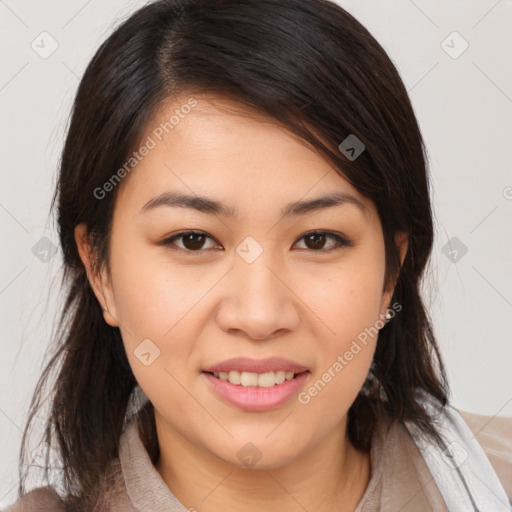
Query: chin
[[262, 455]]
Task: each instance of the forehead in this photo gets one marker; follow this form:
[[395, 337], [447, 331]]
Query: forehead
[[222, 149]]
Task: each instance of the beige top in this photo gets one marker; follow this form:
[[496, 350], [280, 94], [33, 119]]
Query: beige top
[[400, 480]]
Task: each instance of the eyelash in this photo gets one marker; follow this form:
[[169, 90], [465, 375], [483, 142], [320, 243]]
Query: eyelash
[[341, 241]]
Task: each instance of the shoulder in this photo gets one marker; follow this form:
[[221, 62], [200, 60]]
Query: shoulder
[[494, 434], [42, 499], [476, 479]]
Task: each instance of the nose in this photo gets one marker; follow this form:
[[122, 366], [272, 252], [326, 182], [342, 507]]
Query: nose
[[258, 303]]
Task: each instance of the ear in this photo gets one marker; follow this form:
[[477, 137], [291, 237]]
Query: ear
[[402, 243], [99, 278]]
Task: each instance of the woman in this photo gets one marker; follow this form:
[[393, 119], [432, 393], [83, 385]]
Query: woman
[[244, 214]]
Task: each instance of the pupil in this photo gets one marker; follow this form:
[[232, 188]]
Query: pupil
[[194, 243], [316, 238]]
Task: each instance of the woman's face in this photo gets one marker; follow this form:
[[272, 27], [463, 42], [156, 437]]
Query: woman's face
[[253, 284]]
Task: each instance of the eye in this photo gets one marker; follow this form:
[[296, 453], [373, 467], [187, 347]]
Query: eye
[[315, 241], [193, 241]]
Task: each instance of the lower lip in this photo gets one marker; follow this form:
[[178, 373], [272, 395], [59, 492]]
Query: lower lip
[[254, 398]]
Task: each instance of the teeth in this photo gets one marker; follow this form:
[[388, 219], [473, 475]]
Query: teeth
[[248, 379], [233, 377]]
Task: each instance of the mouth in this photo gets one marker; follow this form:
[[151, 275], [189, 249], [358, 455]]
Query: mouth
[[256, 392], [253, 379], [253, 384]]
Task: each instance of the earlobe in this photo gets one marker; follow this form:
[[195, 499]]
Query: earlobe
[[97, 277]]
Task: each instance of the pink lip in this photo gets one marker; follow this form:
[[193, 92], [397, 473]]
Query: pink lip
[[245, 364], [254, 398]]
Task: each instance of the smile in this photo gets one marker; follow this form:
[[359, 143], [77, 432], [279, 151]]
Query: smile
[[250, 379], [246, 392]]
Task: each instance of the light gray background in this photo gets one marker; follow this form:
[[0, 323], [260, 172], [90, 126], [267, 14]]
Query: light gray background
[[464, 108]]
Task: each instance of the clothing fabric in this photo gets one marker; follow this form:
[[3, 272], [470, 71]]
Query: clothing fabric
[[462, 471], [408, 474]]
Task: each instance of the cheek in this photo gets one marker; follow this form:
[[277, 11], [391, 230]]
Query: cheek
[[154, 306], [348, 298], [348, 304], [343, 360], [152, 295]]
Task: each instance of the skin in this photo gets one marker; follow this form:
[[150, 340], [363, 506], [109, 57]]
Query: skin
[[200, 308]]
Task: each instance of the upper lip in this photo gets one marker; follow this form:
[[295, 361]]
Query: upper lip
[[246, 364]]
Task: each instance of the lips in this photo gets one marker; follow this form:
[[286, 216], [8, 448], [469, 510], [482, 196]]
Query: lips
[[245, 364], [255, 398]]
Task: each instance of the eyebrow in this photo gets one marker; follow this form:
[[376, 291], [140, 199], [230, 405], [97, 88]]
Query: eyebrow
[[211, 206]]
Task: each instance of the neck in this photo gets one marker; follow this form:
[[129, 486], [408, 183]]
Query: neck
[[331, 477]]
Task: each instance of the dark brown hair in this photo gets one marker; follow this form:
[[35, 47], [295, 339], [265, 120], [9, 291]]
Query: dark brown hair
[[312, 67]]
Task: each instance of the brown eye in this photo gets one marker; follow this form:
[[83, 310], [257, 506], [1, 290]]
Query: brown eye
[[316, 241], [193, 241], [190, 241]]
